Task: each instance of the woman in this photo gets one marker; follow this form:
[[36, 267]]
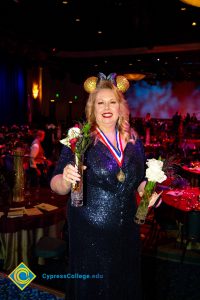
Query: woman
[[103, 237], [37, 159]]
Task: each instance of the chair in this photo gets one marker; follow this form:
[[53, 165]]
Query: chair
[[49, 247], [48, 256], [163, 225], [191, 231]]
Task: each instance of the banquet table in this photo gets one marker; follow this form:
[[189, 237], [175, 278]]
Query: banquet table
[[19, 234], [192, 172], [185, 199]]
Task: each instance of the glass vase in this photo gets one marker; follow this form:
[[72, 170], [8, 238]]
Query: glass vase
[[18, 189], [77, 188], [142, 210], [143, 207]]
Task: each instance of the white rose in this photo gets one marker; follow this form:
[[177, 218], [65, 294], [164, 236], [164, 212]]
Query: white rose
[[154, 171], [154, 163], [73, 133]]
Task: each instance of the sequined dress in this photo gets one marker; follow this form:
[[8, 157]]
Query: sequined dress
[[103, 238]]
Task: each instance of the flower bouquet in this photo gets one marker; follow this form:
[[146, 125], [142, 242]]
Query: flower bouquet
[[154, 174], [78, 139]]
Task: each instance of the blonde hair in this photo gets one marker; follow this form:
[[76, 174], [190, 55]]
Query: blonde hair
[[123, 124]]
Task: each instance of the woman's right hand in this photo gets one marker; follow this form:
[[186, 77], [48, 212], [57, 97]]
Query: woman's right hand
[[70, 174]]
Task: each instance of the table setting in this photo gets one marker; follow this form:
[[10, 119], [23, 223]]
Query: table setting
[[193, 167], [185, 199]]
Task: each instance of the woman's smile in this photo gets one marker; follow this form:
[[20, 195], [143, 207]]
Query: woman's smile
[[107, 115]]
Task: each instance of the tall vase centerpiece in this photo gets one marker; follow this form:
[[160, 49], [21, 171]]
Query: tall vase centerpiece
[[78, 139], [18, 189]]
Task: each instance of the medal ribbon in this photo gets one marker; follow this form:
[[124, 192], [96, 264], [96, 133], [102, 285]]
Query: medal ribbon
[[117, 153]]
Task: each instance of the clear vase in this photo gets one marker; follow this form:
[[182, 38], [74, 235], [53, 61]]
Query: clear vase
[[142, 211], [77, 188], [143, 207], [18, 189]]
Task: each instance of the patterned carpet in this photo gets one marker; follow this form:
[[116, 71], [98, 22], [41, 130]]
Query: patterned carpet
[[9, 291]]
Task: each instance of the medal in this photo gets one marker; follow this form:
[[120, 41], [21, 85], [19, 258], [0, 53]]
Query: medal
[[117, 153], [121, 176]]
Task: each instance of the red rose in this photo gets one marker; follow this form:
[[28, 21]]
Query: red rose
[[73, 143]]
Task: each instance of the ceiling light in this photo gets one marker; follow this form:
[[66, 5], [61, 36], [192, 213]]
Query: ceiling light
[[134, 76], [192, 2]]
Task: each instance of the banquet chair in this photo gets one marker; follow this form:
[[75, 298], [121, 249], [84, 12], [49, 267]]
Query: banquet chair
[[49, 247], [52, 248], [163, 225], [49, 255], [191, 232], [161, 221]]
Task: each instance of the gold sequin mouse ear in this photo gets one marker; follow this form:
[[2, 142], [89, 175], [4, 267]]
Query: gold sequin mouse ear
[[120, 81], [90, 84]]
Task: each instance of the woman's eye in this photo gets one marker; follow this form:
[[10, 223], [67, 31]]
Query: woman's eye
[[113, 102], [100, 102]]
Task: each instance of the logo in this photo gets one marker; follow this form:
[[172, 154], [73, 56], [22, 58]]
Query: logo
[[22, 276]]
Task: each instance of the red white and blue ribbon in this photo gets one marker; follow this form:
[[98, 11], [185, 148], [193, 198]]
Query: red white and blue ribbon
[[116, 152]]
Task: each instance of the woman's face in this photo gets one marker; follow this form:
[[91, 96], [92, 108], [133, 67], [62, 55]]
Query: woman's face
[[106, 108]]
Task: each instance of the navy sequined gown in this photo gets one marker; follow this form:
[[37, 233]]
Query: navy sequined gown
[[103, 238]]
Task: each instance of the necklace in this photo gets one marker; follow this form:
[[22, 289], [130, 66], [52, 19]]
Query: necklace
[[116, 152]]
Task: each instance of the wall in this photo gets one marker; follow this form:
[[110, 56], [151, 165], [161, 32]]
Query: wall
[[67, 89]]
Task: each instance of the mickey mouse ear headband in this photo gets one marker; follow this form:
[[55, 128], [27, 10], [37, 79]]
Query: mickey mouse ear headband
[[120, 81]]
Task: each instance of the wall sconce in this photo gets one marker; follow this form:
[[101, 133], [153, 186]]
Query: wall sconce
[[35, 90]]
